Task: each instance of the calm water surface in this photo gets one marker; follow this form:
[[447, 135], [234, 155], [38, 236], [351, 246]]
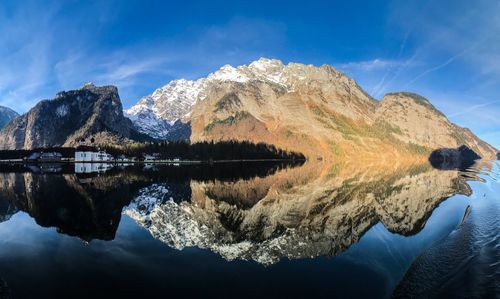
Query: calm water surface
[[249, 230]]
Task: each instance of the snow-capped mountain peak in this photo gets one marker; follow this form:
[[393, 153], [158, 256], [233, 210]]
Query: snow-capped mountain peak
[[159, 114], [265, 65], [229, 73], [263, 69], [155, 114], [178, 91], [170, 102]]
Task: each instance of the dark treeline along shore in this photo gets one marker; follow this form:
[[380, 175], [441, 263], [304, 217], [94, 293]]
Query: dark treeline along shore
[[66, 152], [201, 151], [165, 172], [205, 151]]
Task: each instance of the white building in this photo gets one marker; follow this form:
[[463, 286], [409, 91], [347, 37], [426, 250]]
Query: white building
[[91, 154]]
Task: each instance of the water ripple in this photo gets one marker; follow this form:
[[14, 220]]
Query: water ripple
[[466, 264]]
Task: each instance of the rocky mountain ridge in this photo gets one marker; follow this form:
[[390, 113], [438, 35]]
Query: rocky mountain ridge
[[315, 110], [88, 112], [175, 101]]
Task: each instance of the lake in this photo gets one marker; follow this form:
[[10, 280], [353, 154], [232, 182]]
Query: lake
[[253, 229]]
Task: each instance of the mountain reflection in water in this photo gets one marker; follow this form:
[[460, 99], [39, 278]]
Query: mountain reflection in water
[[89, 204], [260, 212], [293, 214]]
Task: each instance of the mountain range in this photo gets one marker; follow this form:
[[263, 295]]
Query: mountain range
[[318, 111], [6, 115], [315, 110]]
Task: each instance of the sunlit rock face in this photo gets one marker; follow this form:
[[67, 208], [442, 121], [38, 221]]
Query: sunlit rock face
[[315, 210], [318, 111]]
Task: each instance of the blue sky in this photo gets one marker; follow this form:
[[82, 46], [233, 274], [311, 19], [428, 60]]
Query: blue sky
[[447, 51]]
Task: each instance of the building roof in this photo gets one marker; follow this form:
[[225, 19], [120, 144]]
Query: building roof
[[86, 148], [51, 154], [33, 156]]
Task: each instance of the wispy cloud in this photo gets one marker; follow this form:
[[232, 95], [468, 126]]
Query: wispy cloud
[[369, 65], [435, 68], [43, 53], [375, 68], [473, 108], [118, 68], [466, 32], [24, 54]]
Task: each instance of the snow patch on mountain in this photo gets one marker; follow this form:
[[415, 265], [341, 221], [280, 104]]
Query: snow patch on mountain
[[159, 115], [170, 102], [229, 73], [268, 70]]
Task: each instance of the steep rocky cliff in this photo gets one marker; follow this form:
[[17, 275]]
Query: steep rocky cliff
[[6, 115], [84, 113], [419, 122], [315, 110]]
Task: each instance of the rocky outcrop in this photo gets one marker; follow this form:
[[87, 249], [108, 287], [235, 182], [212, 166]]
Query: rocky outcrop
[[318, 111], [419, 122], [89, 112], [453, 158], [6, 115]]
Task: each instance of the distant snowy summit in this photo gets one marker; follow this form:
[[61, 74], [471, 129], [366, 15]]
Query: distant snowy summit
[[6, 115]]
